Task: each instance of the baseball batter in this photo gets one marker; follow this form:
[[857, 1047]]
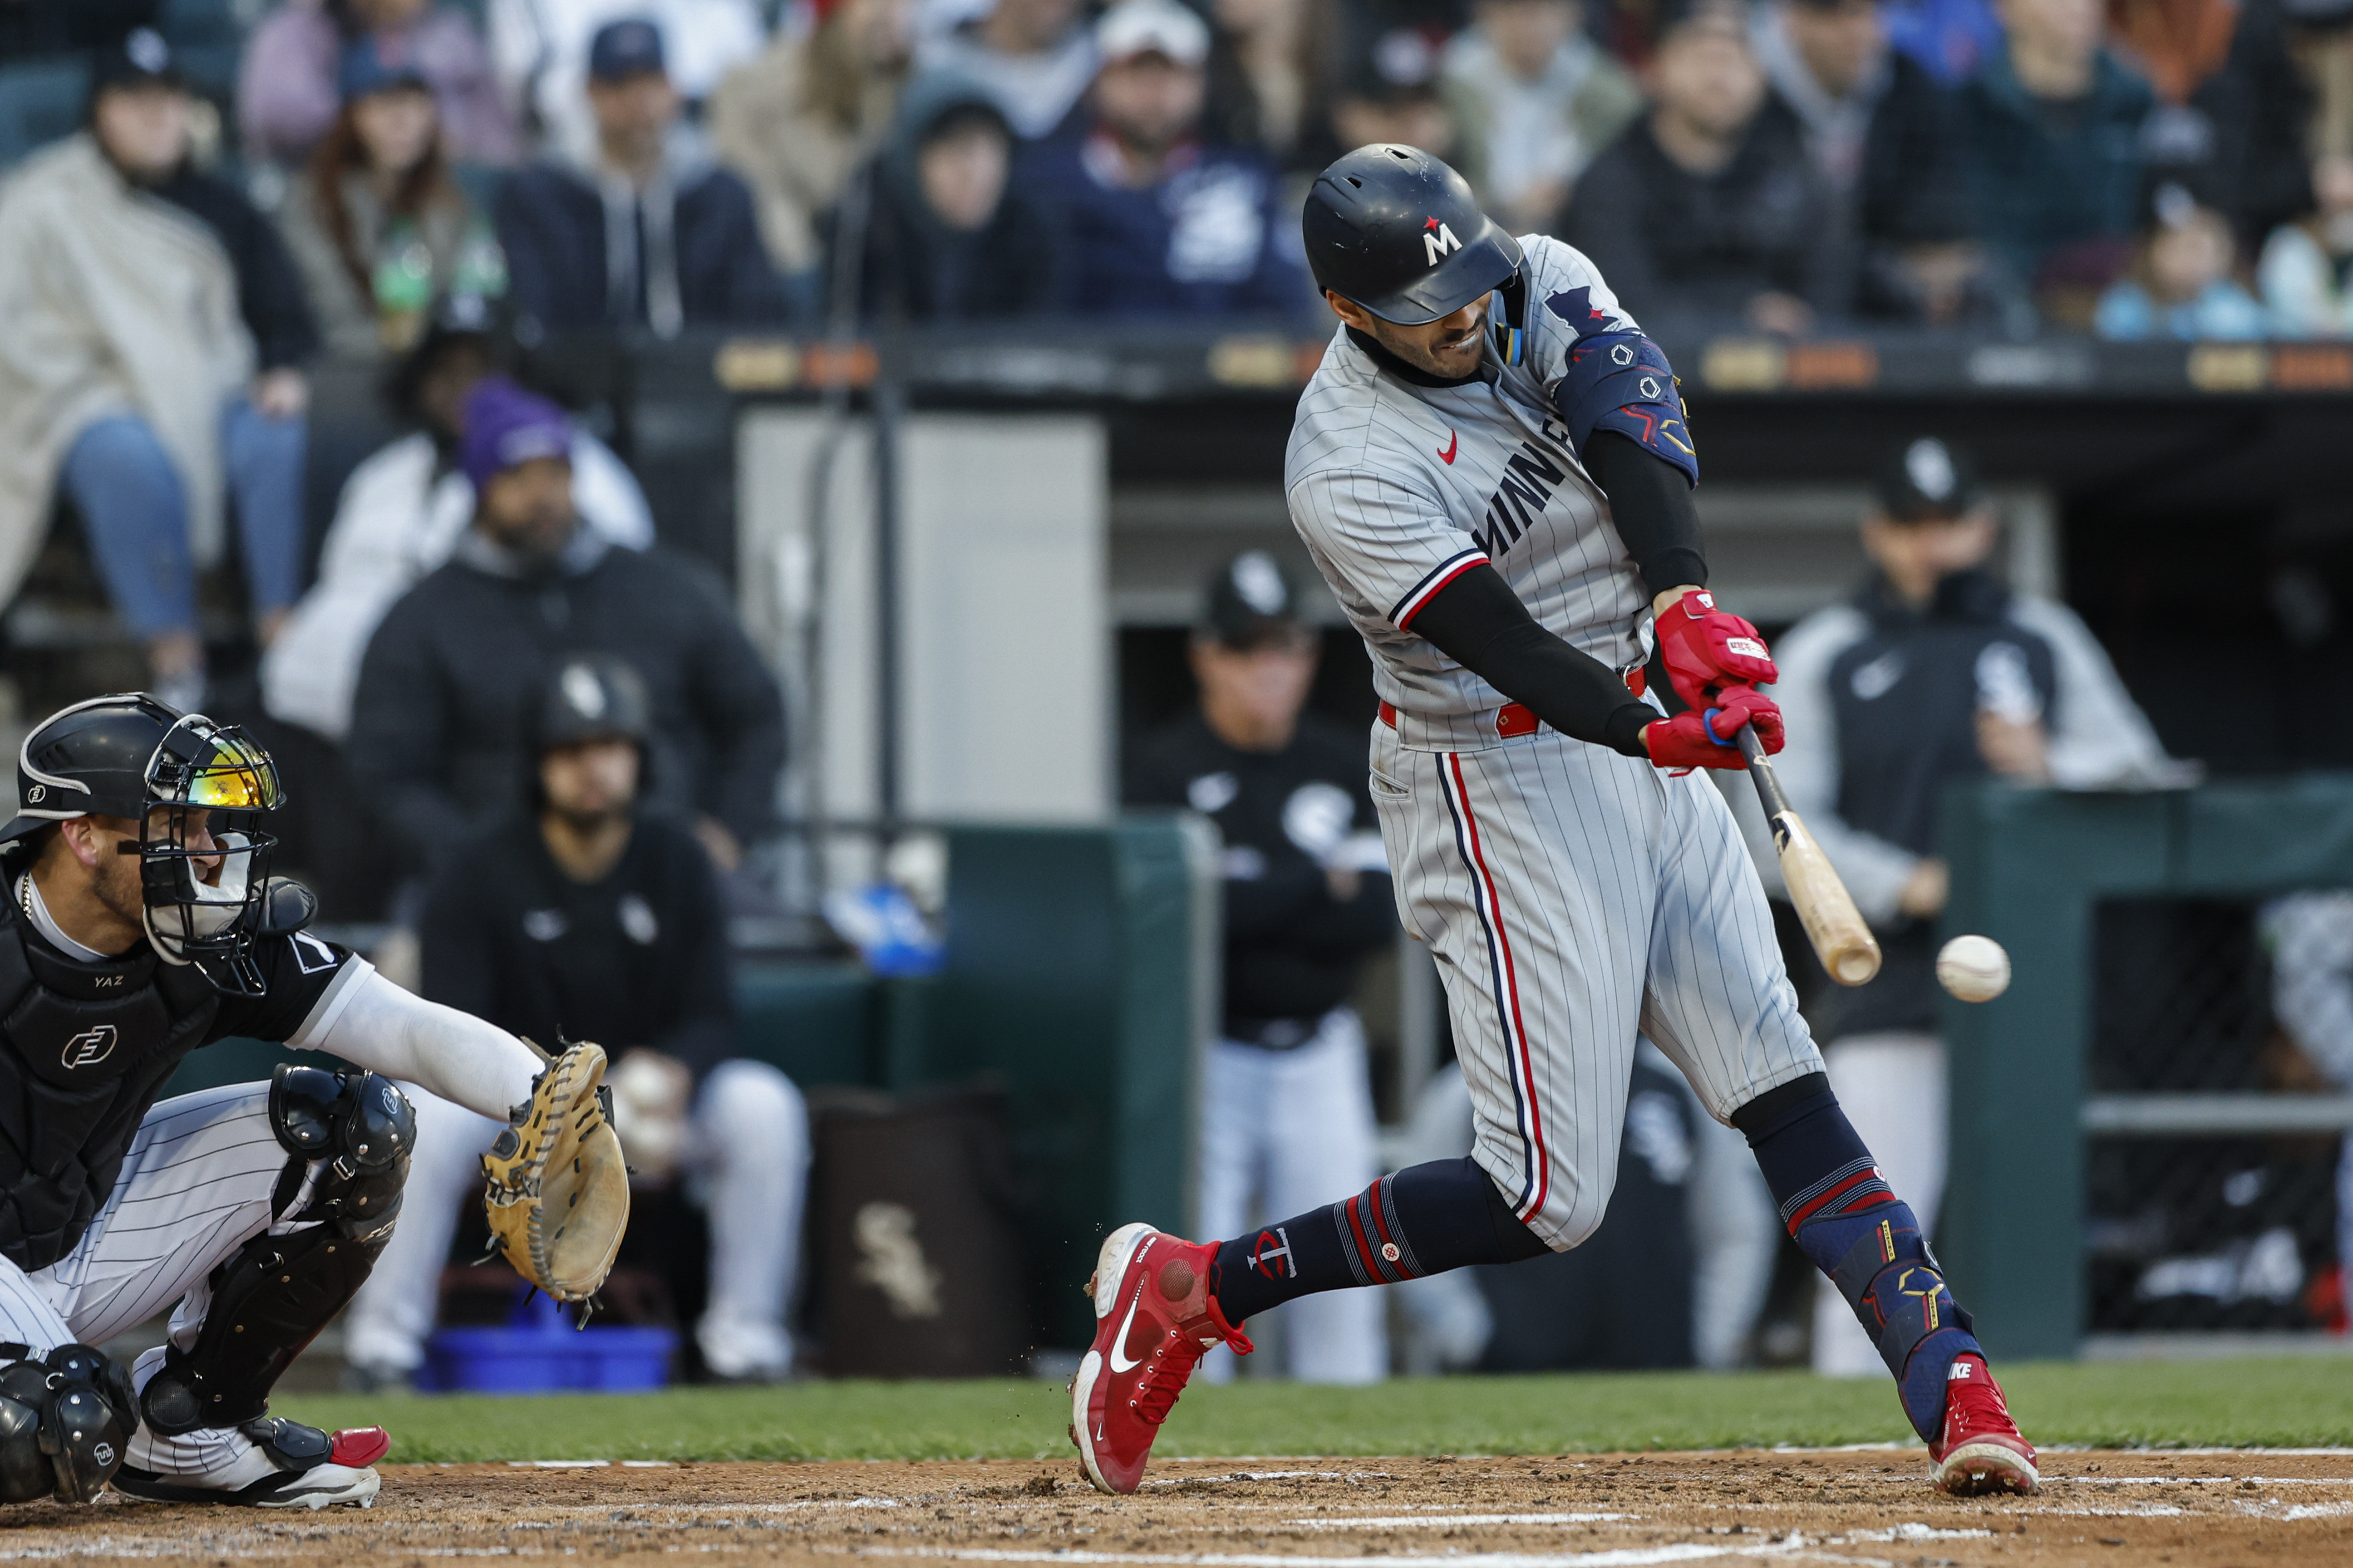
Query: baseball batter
[[140, 924], [1492, 471]]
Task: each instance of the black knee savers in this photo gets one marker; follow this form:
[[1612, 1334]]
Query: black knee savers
[[273, 1296], [64, 1421]]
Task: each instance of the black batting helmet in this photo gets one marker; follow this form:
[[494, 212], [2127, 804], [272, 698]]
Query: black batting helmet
[[1396, 231], [592, 697]]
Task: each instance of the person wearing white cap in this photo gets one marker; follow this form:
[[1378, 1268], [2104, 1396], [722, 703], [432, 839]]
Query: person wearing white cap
[[1149, 220]]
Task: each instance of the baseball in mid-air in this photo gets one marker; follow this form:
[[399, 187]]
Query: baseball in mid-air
[[1973, 968]]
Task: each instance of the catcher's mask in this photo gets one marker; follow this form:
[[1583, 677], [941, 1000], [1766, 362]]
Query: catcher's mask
[[131, 756]]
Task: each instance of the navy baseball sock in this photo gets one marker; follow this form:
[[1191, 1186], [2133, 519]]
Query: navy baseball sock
[[1423, 1220], [1845, 1218]]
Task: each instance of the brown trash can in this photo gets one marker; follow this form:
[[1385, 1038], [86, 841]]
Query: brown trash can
[[918, 1258]]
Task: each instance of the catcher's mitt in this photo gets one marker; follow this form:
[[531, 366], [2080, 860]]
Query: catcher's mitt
[[559, 1194]]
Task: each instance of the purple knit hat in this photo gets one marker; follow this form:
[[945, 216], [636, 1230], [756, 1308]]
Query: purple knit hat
[[504, 427]]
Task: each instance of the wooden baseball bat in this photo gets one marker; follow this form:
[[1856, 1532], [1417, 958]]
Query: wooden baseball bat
[[1833, 924]]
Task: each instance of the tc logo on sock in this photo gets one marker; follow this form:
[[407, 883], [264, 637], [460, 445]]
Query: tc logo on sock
[[1265, 1253]]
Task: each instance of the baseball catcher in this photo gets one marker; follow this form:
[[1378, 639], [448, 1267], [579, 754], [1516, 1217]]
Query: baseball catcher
[[141, 924]]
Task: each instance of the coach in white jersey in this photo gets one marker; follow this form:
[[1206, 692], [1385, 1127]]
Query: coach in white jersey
[[142, 924], [1492, 471]]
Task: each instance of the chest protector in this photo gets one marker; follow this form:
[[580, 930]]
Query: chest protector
[[84, 1050]]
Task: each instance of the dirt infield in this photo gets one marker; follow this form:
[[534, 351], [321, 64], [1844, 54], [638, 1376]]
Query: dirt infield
[[2233, 1510]]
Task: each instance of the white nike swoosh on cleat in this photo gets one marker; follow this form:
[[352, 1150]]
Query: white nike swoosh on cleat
[[1119, 1345]]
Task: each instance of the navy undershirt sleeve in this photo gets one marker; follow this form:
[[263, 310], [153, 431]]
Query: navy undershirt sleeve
[[1479, 623], [1650, 502]]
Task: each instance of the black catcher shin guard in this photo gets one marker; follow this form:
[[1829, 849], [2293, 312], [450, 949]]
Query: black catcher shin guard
[[270, 1298]]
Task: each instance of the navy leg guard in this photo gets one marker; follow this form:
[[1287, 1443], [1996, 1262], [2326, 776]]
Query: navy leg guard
[[1882, 1264], [1855, 1229]]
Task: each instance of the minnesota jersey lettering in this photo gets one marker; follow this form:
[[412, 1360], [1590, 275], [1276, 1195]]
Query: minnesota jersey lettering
[[1520, 501]]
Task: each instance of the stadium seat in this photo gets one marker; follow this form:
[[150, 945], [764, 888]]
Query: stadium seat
[[40, 101]]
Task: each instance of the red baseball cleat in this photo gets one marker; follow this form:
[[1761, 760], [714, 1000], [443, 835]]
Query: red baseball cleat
[[1153, 1320], [1980, 1450]]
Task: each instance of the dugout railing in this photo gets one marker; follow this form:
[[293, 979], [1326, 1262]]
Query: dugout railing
[[2133, 1050]]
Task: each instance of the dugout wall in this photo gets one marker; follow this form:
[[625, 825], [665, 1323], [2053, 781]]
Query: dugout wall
[[2038, 870]]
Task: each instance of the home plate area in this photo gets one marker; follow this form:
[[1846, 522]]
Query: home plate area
[[2231, 1508]]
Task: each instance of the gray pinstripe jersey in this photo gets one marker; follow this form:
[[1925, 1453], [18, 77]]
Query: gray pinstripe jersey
[[1399, 489]]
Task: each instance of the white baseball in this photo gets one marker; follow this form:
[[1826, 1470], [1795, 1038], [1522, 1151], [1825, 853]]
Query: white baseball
[[1973, 968]]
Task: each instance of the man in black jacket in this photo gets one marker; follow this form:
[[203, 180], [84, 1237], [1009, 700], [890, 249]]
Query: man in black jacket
[[649, 232], [583, 911], [1704, 208], [1882, 136], [441, 715], [1286, 1108]]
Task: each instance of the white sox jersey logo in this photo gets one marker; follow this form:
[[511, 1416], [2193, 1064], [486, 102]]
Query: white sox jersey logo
[[92, 1046]]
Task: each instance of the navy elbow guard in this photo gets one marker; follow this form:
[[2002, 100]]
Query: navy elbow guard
[[1620, 381]]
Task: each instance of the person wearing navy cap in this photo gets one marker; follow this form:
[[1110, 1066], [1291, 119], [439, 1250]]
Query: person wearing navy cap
[[1287, 1097], [646, 232], [1935, 672], [377, 224]]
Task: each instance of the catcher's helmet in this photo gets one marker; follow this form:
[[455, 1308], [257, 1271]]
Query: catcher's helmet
[[128, 754], [1395, 231]]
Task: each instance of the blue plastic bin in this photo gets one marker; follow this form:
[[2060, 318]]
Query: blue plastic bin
[[541, 1352]]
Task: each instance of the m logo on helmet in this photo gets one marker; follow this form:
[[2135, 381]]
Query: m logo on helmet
[[93, 1045], [1437, 240]]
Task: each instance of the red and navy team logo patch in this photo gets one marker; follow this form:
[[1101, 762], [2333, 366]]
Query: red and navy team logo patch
[[1576, 307], [1270, 1254]]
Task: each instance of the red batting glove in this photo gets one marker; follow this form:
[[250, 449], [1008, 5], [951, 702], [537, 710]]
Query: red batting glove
[[1692, 740], [1707, 650]]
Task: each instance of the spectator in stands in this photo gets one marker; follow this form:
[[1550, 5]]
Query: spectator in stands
[[375, 223], [948, 239], [540, 50], [646, 231], [1269, 79], [1882, 135], [447, 687], [1145, 218], [797, 120], [1934, 673], [1388, 91], [288, 85], [1534, 100], [2050, 128], [1035, 57], [2306, 265], [583, 914], [2231, 109], [2181, 283], [402, 514], [152, 358], [1703, 208]]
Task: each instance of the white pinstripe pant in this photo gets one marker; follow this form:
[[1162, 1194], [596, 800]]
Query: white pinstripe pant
[[1574, 899], [193, 1188]]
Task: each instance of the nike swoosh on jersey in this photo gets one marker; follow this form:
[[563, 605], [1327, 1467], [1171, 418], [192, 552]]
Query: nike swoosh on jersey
[[1119, 1345], [1453, 445]]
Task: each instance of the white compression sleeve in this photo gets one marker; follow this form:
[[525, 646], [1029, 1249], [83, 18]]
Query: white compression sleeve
[[441, 1050]]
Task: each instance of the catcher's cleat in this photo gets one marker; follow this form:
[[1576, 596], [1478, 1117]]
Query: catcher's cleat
[[1154, 1318], [269, 1463], [1980, 1450]]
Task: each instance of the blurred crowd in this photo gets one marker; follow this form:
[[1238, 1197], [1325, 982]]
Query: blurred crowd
[[2147, 168]]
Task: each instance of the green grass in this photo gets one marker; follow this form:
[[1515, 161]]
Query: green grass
[[2288, 1403]]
